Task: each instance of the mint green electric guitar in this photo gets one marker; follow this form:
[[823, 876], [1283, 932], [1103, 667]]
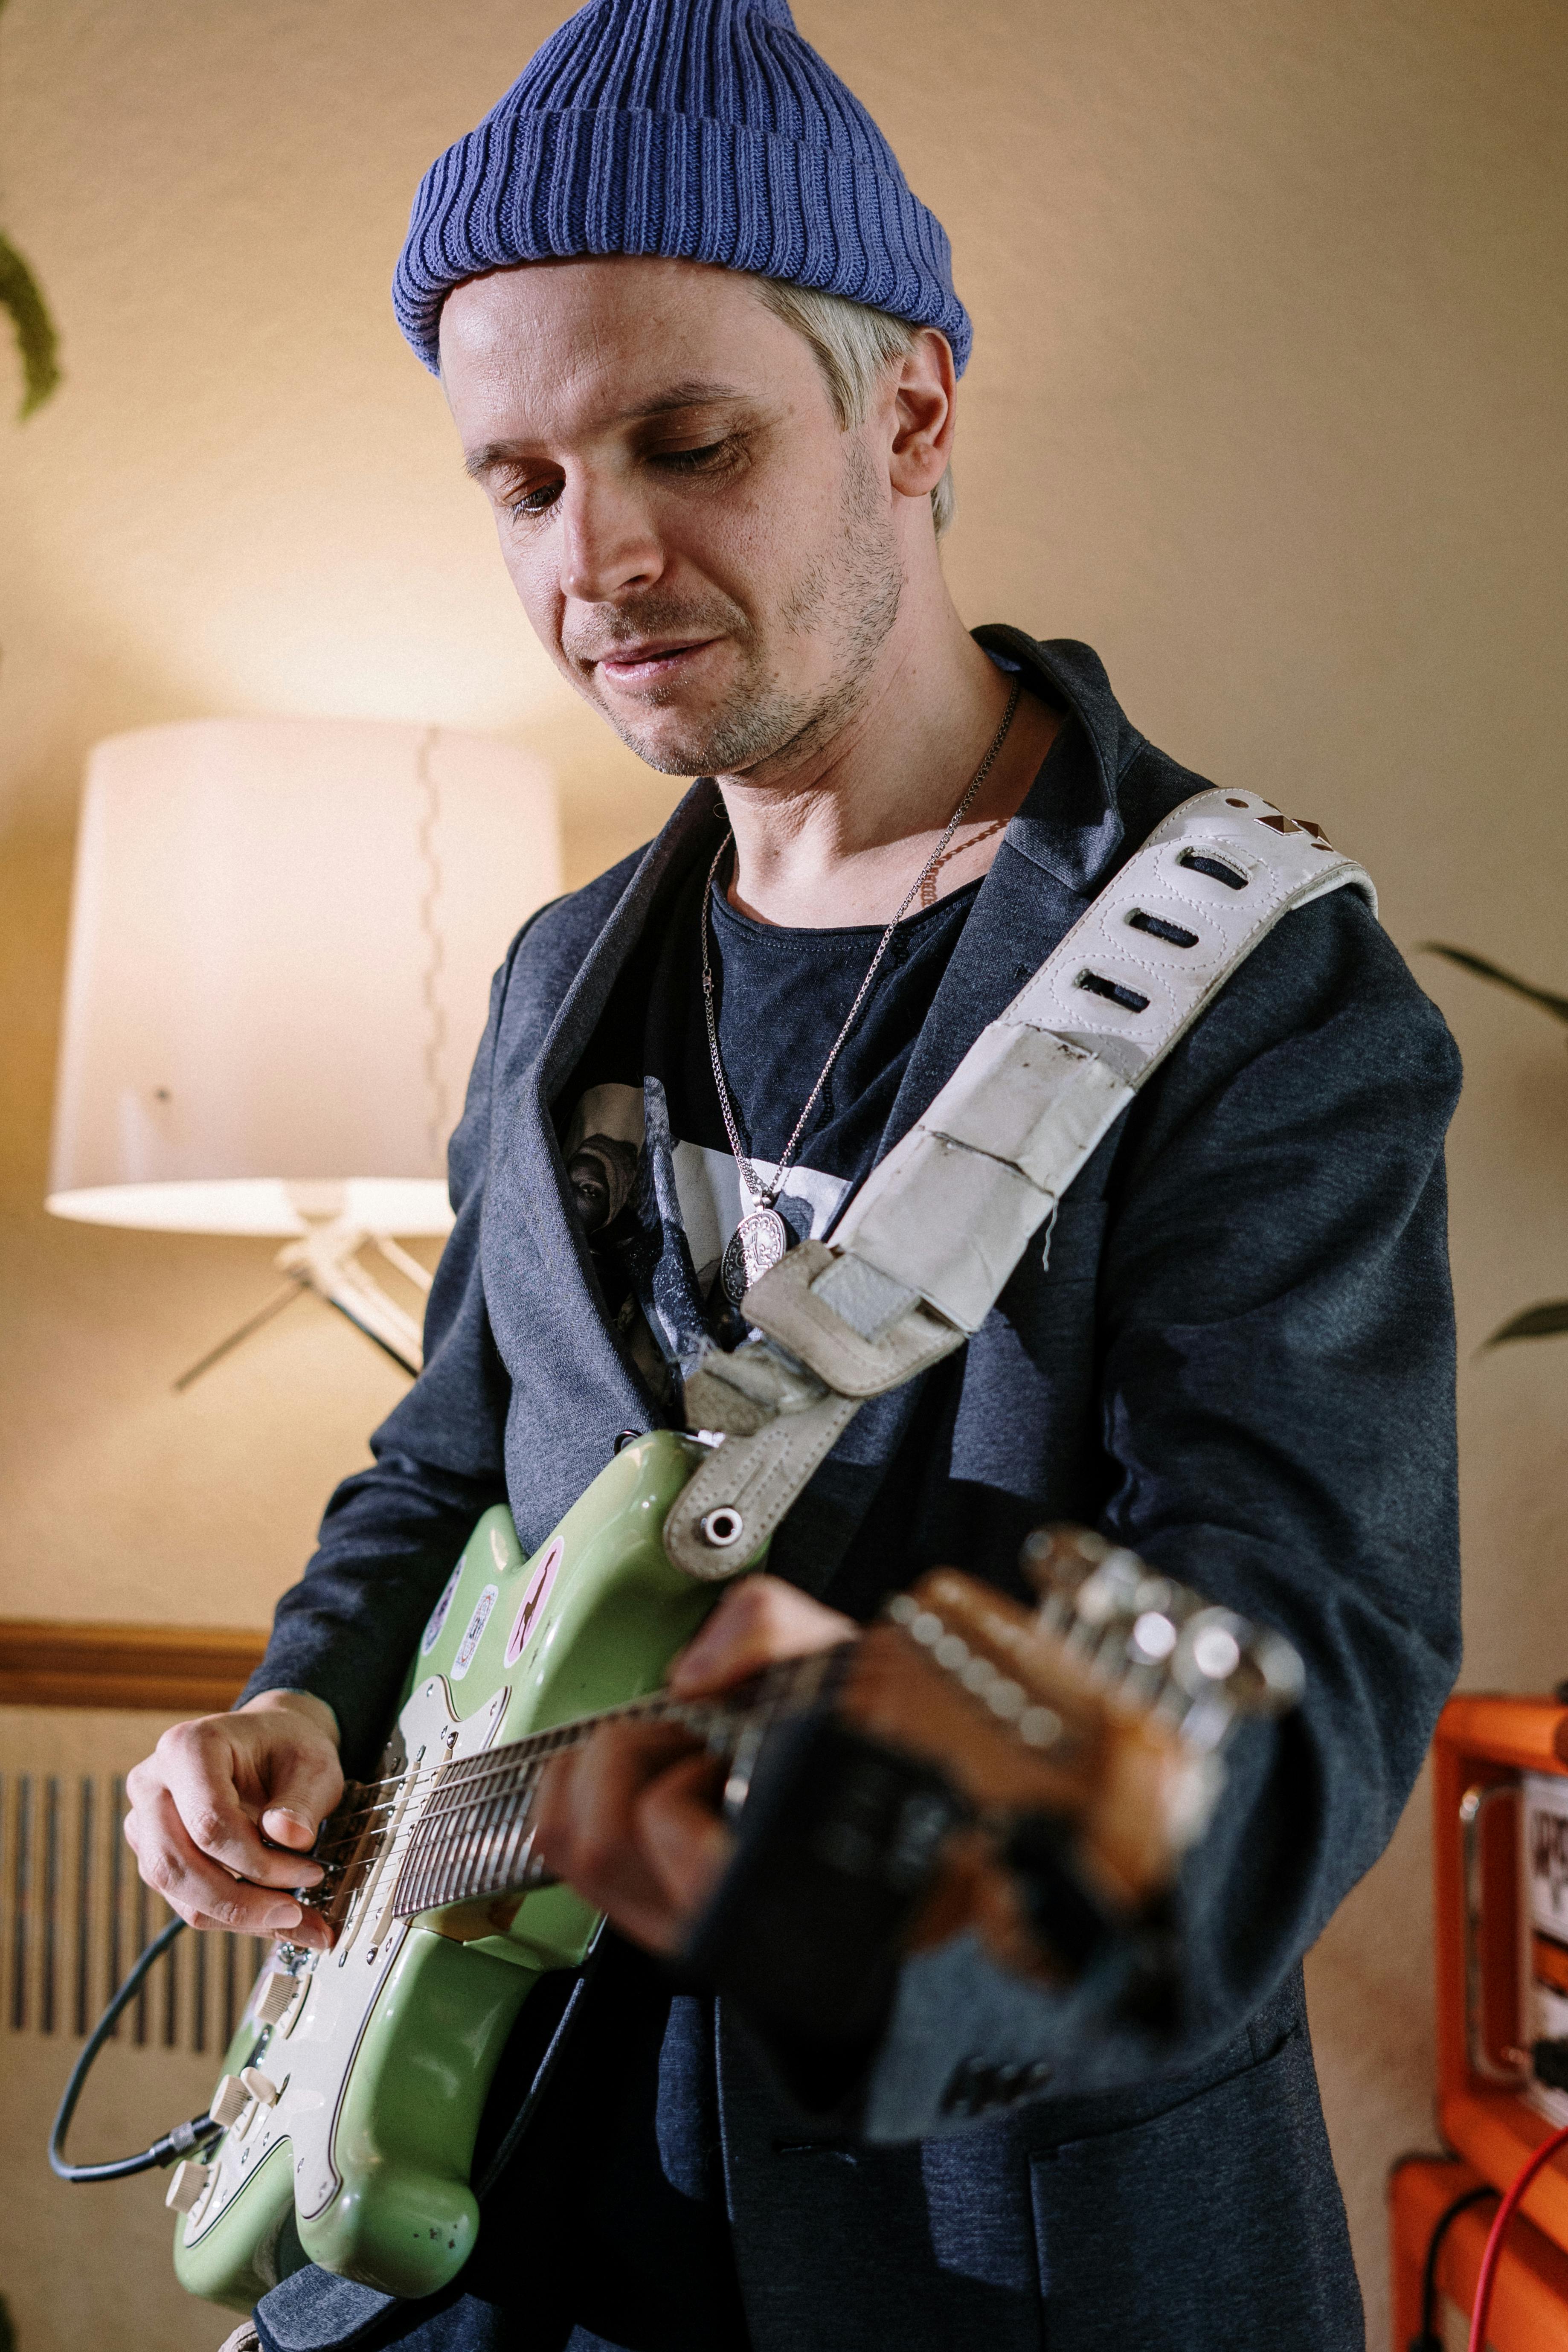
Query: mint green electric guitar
[[356, 2080]]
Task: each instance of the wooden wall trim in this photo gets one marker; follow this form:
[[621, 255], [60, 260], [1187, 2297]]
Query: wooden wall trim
[[175, 1669]]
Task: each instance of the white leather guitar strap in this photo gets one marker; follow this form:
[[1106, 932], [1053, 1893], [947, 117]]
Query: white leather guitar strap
[[921, 1256]]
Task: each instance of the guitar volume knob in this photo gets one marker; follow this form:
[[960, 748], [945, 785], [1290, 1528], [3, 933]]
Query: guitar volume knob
[[276, 1998], [189, 2185], [229, 2101]]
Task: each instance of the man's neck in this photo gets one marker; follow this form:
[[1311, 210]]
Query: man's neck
[[839, 837]]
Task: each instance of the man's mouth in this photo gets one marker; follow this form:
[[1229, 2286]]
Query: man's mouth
[[652, 661]]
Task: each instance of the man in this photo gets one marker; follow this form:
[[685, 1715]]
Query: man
[[700, 346]]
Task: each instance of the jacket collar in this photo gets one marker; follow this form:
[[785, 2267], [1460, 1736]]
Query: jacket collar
[[1070, 826], [1055, 855]]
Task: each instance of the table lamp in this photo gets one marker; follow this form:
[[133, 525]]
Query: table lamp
[[282, 937]]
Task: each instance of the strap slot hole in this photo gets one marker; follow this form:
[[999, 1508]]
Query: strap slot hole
[[1158, 929], [1215, 868], [1128, 998]]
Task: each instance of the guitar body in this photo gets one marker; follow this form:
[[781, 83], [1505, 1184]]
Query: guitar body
[[379, 2054]]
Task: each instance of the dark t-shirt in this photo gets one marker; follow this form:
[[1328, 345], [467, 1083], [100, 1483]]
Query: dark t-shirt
[[659, 1192], [655, 1178]]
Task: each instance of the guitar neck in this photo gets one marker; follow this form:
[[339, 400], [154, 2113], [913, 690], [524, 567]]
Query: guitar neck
[[1103, 1706], [473, 1832]]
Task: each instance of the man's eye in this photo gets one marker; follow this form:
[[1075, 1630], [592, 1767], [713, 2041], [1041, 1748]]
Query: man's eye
[[693, 461], [532, 503]]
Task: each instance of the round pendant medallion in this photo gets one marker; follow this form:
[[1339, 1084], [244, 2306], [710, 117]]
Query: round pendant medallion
[[758, 1242]]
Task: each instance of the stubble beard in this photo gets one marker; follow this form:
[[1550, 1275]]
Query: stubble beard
[[849, 594]]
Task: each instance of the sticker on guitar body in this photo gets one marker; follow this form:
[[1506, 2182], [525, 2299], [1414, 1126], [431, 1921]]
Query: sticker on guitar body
[[540, 1585], [474, 1632], [438, 1614]]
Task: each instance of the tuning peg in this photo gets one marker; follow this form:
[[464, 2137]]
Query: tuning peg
[[1223, 1666], [1057, 1560], [1274, 1675]]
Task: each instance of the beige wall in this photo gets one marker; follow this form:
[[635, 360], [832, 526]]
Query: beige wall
[[1265, 404]]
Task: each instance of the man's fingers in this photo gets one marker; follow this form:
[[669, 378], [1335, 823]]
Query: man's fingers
[[759, 1621], [584, 1813], [203, 1893], [306, 1783], [687, 1842], [197, 1765], [287, 1825], [631, 1822]]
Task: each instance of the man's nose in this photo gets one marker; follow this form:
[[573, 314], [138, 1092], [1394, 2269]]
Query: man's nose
[[607, 545]]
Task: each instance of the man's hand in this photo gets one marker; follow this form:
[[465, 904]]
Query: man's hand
[[631, 1819], [217, 1799]]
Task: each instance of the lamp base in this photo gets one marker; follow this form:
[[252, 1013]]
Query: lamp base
[[327, 1264]]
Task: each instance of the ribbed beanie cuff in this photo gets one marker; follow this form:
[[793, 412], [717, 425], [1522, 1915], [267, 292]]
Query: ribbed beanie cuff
[[695, 130]]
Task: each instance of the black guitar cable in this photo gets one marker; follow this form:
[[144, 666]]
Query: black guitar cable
[[184, 2140], [1429, 2340]]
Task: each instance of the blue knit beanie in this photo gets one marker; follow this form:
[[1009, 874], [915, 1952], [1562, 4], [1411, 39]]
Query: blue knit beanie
[[699, 129]]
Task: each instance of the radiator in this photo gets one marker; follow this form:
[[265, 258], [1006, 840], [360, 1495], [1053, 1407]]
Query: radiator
[[74, 1915]]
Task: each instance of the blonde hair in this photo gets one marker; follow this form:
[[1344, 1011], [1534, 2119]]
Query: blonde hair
[[855, 346]]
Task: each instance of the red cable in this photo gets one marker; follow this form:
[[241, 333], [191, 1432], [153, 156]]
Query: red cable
[[1486, 2277]]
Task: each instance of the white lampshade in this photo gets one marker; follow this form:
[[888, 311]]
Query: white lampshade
[[282, 937]]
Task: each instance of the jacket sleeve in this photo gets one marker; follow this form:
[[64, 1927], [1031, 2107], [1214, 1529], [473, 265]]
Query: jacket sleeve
[[392, 1534], [1275, 1406]]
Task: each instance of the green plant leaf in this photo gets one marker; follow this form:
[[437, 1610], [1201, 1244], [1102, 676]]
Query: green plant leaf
[[36, 336], [1556, 1005], [1535, 1323]]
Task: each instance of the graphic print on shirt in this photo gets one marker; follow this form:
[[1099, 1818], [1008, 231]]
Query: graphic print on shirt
[[667, 1209]]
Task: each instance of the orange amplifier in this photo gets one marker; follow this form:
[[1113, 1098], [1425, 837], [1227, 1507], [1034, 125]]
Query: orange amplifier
[[1530, 2308], [1500, 1877]]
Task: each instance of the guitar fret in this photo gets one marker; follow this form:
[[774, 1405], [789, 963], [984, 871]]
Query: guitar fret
[[473, 1832]]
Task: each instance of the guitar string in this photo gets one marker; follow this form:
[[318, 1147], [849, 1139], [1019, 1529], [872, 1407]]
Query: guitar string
[[540, 1746], [499, 1762], [519, 1762], [467, 1839], [470, 1837], [469, 1834], [652, 1705], [457, 1849]]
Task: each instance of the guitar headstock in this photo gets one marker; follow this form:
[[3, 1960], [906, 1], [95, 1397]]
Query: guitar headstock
[[1098, 1714], [1196, 1666]]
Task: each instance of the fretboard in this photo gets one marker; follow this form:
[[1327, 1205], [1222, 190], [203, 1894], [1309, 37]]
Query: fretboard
[[473, 1832]]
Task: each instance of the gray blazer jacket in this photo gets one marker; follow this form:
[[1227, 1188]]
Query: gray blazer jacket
[[1238, 1357]]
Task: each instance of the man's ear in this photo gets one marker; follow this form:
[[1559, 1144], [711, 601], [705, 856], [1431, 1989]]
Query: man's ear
[[923, 415]]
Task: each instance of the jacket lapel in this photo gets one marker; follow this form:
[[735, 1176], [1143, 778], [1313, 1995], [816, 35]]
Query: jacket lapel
[[572, 1391]]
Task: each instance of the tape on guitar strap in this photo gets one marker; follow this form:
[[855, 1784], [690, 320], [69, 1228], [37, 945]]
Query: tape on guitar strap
[[921, 1256]]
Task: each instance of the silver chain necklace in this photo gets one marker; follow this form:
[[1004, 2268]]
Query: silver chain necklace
[[762, 1237]]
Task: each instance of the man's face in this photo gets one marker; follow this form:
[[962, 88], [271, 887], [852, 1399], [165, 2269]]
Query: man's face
[[708, 559]]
